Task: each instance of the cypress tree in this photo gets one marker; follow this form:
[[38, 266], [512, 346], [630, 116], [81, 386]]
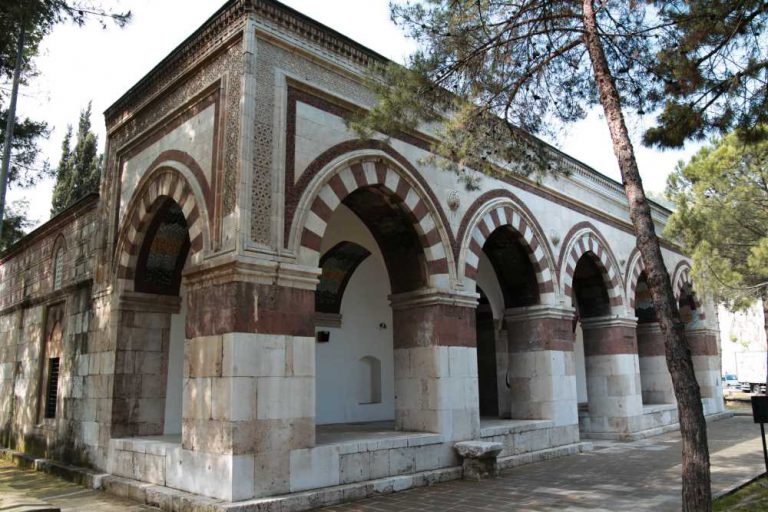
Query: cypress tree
[[79, 171]]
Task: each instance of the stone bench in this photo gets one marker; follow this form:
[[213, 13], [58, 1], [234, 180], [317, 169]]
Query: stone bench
[[479, 459]]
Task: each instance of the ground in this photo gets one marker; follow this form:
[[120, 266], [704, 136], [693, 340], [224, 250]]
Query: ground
[[19, 488], [642, 475]]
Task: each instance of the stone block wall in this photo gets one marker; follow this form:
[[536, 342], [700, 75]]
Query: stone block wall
[[28, 296]]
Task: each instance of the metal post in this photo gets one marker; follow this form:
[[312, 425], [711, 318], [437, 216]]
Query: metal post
[[11, 123], [765, 450]]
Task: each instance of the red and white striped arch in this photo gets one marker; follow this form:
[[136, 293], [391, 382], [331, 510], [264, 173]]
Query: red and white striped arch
[[587, 241], [634, 269], [500, 213], [332, 185], [163, 182], [682, 277]]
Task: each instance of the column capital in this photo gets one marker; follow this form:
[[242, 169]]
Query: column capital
[[231, 268], [649, 328], [433, 297], [600, 322], [539, 312], [137, 301]]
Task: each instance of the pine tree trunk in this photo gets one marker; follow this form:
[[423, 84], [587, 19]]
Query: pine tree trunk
[[764, 299], [696, 484]]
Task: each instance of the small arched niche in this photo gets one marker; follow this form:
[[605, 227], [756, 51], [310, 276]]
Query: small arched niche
[[370, 380]]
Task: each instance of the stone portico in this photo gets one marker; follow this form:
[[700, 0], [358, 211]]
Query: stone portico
[[259, 303]]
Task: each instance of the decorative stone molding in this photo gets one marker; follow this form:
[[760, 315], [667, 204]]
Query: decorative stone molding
[[433, 297], [230, 268], [137, 301], [540, 312]]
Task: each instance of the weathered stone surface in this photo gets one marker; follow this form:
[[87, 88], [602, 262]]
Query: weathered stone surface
[[478, 449]]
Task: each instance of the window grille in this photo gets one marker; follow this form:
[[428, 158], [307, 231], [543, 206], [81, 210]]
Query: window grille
[[52, 392]]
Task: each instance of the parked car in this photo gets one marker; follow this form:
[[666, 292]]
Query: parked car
[[731, 382]]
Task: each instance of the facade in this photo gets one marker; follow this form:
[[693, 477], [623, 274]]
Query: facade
[[260, 303]]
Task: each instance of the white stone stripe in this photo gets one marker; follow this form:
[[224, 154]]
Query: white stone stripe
[[478, 237], [188, 207], [329, 197], [348, 179], [503, 219], [546, 274], [515, 220], [473, 260], [411, 199], [369, 169], [488, 221], [426, 224], [195, 230], [435, 252], [573, 259], [392, 180], [315, 224], [538, 254]]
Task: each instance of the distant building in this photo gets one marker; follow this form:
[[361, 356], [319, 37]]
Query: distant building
[[260, 303], [740, 332]]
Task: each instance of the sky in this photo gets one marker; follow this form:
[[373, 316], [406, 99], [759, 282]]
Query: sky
[[78, 65]]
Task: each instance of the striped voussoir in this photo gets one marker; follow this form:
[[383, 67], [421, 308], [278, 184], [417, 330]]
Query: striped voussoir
[[588, 242], [683, 280], [375, 172], [506, 215], [167, 183], [634, 276]]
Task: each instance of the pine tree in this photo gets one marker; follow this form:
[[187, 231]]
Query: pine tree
[[79, 170]]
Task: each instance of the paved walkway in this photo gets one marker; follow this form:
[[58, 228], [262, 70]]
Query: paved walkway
[[17, 487], [642, 475]]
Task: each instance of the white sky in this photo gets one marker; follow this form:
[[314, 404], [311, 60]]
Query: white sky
[[81, 64]]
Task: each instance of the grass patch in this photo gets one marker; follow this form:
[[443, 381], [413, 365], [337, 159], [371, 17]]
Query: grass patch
[[753, 497]]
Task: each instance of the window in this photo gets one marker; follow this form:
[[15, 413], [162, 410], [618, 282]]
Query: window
[[50, 359], [52, 389], [58, 268]]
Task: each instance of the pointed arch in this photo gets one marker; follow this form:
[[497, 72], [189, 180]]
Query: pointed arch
[[153, 192], [635, 267], [58, 255], [372, 170], [586, 239], [489, 213], [682, 282]]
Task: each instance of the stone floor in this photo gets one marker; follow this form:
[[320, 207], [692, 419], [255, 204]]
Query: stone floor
[[642, 475], [33, 489]]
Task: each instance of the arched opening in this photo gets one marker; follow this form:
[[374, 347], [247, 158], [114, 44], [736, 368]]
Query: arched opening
[[506, 282], [705, 350], [370, 250], [609, 380], [655, 381], [150, 352], [591, 301], [487, 381]]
